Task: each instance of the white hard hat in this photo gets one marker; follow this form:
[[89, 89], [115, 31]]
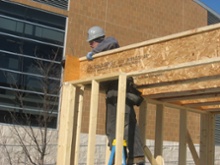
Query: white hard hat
[[95, 32]]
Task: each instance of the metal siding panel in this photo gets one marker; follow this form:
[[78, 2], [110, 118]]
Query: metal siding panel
[[212, 19], [62, 4]]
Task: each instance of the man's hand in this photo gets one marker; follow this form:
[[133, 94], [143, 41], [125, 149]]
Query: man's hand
[[89, 56]]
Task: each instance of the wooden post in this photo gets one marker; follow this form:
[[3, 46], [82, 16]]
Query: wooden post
[[120, 117], [182, 137], [67, 113], [143, 128], [207, 148], [79, 124], [159, 131], [93, 122]]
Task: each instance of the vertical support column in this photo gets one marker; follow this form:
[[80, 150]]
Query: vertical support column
[[159, 131], [182, 137], [93, 122], [120, 117], [65, 149], [143, 121], [207, 147], [79, 124], [143, 118]]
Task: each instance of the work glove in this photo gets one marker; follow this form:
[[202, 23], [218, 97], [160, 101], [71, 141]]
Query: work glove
[[89, 56]]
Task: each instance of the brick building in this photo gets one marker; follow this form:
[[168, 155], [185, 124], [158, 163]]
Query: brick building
[[62, 26]]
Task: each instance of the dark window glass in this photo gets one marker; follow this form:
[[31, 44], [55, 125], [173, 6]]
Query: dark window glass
[[30, 67]]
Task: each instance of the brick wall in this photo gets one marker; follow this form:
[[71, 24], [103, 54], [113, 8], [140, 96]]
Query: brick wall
[[130, 21]]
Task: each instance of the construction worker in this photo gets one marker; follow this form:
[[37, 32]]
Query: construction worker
[[99, 43]]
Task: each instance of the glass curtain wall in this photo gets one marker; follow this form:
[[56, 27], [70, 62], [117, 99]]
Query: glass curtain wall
[[31, 50]]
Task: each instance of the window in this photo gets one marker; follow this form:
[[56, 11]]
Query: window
[[30, 71]]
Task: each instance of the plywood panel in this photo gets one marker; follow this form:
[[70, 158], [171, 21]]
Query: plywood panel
[[71, 71], [183, 49]]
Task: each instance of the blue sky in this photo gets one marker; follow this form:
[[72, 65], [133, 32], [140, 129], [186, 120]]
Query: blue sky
[[212, 4]]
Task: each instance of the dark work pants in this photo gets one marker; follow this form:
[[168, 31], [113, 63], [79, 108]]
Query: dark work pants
[[131, 129]]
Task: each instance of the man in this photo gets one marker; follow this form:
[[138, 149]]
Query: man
[[98, 43]]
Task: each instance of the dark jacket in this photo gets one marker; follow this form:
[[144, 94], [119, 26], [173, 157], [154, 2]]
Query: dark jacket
[[107, 44]]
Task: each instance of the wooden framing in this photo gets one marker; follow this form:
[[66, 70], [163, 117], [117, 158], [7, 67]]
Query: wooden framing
[[93, 121], [180, 71], [65, 150], [182, 137], [192, 149], [79, 121], [207, 142], [159, 130]]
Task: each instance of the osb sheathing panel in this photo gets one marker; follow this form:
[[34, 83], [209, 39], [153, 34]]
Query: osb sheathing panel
[[179, 50], [190, 46], [71, 71]]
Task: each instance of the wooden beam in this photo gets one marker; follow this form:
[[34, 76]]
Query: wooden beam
[[159, 131], [198, 104], [120, 117], [93, 122], [192, 89], [190, 97], [179, 81], [65, 150], [160, 160], [175, 67], [149, 156], [210, 106], [166, 95], [100, 78], [175, 106], [182, 137], [214, 110], [192, 149]]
